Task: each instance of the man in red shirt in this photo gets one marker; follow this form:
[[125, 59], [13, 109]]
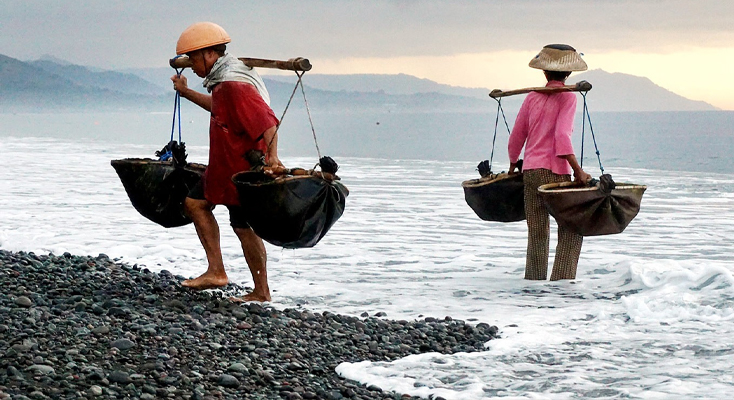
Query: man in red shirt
[[241, 120], [544, 126]]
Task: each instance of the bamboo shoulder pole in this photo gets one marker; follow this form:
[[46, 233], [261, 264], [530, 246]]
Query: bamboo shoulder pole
[[294, 64], [582, 86]]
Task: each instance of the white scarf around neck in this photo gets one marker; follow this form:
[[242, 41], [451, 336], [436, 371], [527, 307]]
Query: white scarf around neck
[[230, 68]]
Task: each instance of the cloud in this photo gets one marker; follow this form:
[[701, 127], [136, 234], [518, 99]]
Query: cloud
[[143, 33]]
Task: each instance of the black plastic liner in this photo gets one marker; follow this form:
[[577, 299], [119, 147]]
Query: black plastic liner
[[293, 211], [498, 198], [157, 189], [602, 209]]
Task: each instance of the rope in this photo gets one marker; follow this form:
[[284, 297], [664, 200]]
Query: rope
[[289, 102], [586, 115], [583, 130], [505, 119], [500, 110], [308, 111], [494, 138], [176, 115]]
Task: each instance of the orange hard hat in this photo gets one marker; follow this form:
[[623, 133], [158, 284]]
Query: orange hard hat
[[201, 35]]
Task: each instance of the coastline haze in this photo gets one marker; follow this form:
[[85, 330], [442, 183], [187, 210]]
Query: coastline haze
[[471, 44]]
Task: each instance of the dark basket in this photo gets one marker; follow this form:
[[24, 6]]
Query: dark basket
[[590, 211], [291, 212], [497, 198], [157, 189]]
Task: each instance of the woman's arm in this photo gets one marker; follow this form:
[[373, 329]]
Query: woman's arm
[[579, 175], [518, 136]]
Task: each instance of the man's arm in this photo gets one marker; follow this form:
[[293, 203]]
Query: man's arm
[[271, 140], [200, 99]]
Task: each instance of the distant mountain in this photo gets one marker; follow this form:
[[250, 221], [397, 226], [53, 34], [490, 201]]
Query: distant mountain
[[51, 83], [160, 76], [610, 92], [46, 85], [87, 77], [400, 84], [56, 60], [623, 92], [351, 92], [53, 59]]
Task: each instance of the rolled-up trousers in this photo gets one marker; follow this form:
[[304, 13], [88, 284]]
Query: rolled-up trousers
[[568, 248]]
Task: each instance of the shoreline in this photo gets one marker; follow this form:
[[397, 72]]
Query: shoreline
[[76, 327]]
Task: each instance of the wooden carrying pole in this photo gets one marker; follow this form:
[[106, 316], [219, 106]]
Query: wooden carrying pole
[[582, 86], [294, 64]]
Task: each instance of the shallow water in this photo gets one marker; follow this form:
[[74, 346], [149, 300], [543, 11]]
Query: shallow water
[[650, 315]]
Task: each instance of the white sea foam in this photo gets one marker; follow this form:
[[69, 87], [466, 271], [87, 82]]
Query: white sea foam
[[650, 315]]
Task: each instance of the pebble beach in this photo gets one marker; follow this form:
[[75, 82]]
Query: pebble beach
[[79, 327]]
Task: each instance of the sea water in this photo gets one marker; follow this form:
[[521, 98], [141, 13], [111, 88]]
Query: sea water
[[650, 315]]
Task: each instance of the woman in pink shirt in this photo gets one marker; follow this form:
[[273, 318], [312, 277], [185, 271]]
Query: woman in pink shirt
[[544, 126]]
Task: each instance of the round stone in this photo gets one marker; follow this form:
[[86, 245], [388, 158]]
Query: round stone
[[123, 344], [95, 390], [23, 301], [228, 381]]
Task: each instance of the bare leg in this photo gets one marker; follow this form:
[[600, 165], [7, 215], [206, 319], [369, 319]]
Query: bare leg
[[254, 250], [200, 211]]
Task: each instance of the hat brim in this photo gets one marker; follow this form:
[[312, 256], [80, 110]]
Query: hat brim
[[550, 59]]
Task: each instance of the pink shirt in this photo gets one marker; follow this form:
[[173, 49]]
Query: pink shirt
[[544, 126]]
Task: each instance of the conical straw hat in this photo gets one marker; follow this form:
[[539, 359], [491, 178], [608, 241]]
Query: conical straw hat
[[558, 57]]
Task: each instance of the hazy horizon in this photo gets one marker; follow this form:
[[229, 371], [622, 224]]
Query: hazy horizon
[[463, 43]]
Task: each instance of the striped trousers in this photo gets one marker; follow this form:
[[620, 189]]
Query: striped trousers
[[568, 248]]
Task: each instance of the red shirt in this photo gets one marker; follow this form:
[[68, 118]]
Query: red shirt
[[544, 125], [239, 117]]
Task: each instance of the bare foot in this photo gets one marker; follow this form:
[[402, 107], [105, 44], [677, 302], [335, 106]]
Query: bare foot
[[250, 297], [206, 281]]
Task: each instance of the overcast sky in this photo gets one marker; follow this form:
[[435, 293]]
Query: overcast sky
[[684, 46]]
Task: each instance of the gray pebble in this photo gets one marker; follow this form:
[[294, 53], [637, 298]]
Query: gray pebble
[[123, 344], [228, 381], [215, 346], [121, 377], [44, 369], [237, 367], [101, 330], [23, 301], [83, 331], [187, 344], [95, 390]]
